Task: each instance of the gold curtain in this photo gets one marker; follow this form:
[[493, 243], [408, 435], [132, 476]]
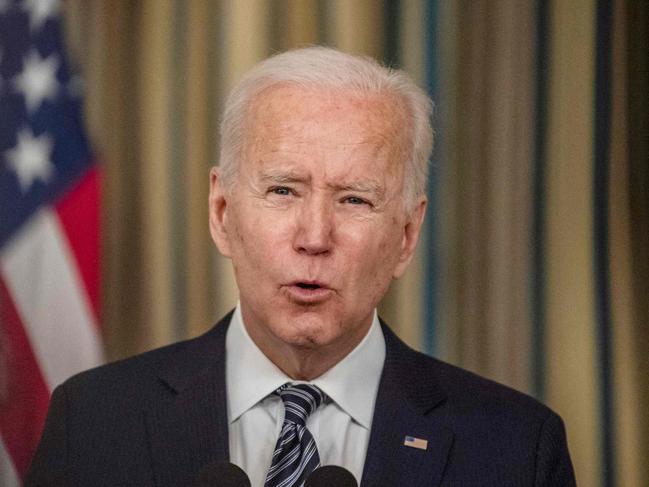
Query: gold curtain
[[486, 104]]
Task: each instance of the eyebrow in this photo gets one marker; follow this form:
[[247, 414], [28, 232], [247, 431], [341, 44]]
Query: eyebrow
[[360, 187], [288, 176], [282, 176]]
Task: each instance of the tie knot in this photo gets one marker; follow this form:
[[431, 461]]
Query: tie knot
[[300, 400]]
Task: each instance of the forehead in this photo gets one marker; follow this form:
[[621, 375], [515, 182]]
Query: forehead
[[326, 118]]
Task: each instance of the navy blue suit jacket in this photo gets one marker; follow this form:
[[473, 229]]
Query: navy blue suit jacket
[[157, 418]]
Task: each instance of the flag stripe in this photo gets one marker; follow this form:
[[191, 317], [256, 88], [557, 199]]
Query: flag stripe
[[78, 213], [25, 395], [8, 475], [41, 276]]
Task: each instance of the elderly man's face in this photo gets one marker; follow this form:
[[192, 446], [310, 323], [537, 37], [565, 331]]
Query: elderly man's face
[[315, 225]]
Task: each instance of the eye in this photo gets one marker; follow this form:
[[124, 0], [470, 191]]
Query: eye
[[280, 190], [355, 200]]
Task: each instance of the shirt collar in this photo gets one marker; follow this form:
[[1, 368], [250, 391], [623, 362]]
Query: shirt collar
[[352, 383]]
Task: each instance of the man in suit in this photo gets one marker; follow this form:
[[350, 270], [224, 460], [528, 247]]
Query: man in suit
[[318, 201]]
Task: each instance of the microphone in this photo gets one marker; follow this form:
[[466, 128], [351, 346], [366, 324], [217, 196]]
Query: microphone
[[221, 474], [331, 475]]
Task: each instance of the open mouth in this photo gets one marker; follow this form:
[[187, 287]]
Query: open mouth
[[305, 292], [304, 285]]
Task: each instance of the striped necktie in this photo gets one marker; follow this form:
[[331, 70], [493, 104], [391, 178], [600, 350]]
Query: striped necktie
[[296, 454]]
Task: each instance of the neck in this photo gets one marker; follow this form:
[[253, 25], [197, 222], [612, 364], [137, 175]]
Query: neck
[[304, 365], [304, 359]]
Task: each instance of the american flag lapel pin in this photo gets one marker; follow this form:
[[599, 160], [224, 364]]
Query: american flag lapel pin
[[413, 442]]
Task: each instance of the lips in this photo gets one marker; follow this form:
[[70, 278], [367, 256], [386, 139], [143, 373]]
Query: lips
[[308, 292]]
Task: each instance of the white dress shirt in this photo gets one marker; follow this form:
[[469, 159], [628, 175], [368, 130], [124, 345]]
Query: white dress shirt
[[341, 427]]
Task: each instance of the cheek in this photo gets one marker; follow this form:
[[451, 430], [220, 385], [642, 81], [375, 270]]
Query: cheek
[[258, 240], [244, 243], [374, 254]]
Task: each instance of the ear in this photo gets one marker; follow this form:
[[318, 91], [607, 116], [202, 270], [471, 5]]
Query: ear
[[410, 237], [218, 213]]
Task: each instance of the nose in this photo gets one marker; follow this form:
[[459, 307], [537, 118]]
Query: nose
[[313, 234]]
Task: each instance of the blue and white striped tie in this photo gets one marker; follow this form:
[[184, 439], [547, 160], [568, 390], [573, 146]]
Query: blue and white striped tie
[[296, 454]]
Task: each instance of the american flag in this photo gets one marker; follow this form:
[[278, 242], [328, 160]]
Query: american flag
[[413, 442], [49, 229]]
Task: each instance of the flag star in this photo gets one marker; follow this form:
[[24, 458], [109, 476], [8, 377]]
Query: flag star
[[37, 81], [30, 158], [40, 10]]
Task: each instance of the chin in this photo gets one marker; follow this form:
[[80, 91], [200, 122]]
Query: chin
[[308, 334], [305, 342]]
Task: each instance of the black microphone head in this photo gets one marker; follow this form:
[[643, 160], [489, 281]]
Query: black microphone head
[[221, 474], [331, 475]]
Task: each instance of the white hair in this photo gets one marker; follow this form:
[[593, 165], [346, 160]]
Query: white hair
[[323, 67]]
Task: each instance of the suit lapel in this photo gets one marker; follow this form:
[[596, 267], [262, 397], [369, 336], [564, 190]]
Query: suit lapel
[[188, 427], [405, 406]]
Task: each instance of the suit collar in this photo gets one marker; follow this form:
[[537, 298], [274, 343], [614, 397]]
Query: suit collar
[[193, 411], [406, 371], [207, 356], [406, 405]]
